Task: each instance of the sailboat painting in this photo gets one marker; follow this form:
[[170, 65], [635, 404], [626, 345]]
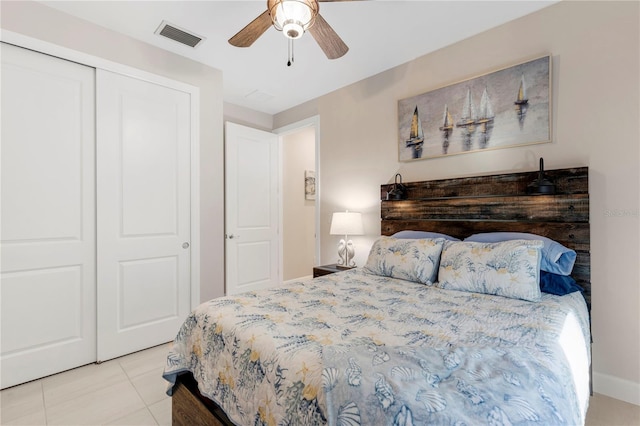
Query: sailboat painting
[[507, 108]]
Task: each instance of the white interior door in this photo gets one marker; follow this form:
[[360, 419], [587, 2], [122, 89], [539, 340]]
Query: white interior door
[[251, 209], [143, 186], [48, 216]]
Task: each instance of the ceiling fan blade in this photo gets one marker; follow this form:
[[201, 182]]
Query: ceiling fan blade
[[330, 42], [246, 36]]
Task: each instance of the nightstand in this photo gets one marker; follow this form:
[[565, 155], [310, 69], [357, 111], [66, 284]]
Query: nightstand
[[319, 271]]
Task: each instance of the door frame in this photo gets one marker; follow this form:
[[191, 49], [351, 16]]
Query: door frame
[[41, 46], [314, 122]]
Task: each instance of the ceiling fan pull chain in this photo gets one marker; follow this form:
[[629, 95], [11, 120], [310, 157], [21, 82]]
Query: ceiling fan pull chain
[[290, 61]]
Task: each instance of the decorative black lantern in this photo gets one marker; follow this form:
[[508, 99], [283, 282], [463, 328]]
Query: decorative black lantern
[[542, 185], [399, 191]]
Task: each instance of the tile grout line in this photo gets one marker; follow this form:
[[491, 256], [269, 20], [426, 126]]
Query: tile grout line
[[44, 402], [146, 406]]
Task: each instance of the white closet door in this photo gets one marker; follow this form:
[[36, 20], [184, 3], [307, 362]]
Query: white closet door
[[143, 186], [48, 216]]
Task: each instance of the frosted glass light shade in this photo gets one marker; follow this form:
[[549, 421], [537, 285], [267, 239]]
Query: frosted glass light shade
[[346, 223], [293, 17]]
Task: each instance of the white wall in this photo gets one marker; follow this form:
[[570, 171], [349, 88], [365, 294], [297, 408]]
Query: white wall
[[298, 213], [43, 23], [596, 87]]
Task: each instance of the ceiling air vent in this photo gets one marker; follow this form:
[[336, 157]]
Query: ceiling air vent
[[176, 34]]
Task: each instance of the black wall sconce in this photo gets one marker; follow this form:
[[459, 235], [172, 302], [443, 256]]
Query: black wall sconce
[[542, 185], [399, 191]]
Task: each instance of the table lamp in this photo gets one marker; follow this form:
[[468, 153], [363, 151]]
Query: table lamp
[[346, 223]]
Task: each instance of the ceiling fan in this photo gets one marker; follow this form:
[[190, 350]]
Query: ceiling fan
[[293, 18]]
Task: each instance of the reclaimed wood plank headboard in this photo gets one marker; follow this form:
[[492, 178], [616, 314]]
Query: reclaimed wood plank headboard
[[463, 206]]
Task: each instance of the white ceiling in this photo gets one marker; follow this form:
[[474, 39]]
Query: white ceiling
[[380, 36]]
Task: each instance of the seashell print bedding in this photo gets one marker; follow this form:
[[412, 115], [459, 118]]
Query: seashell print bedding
[[353, 348]]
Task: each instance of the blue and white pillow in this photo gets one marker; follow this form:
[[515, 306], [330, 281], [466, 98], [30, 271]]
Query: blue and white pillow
[[407, 259], [510, 268], [556, 258]]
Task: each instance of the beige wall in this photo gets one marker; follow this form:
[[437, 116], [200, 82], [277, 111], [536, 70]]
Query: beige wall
[[595, 61], [298, 214], [43, 23], [248, 117]]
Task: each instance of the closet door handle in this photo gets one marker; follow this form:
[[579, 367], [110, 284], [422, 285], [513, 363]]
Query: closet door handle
[[185, 245]]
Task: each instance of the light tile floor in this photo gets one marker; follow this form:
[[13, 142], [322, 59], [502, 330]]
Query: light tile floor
[[130, 391], [125, 391]]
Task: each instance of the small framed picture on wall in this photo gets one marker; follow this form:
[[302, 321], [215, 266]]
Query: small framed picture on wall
[[309, 185]]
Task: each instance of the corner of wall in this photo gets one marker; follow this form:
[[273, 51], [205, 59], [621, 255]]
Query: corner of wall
[[248, 117]]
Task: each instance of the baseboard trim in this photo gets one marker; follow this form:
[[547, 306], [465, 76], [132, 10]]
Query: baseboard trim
[[617, 388]]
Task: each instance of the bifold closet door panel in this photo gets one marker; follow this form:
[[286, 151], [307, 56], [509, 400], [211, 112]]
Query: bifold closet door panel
[[143, 222], [48, 284]]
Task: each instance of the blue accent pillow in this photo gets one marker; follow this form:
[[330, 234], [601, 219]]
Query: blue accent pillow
[[558, 284], [556, 258], [417, 235]]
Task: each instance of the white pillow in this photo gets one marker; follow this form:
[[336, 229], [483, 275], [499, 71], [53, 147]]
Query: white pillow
[[509, 268], [407, 259]]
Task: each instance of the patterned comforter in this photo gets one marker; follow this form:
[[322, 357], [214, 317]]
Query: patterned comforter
[[353, 348]]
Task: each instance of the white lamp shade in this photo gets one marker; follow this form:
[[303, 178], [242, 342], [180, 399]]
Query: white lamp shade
[[346, 223]]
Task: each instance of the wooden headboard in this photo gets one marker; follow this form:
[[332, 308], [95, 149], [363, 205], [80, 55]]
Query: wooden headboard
[[463, 206]]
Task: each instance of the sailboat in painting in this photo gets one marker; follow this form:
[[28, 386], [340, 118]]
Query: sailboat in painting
[[446, 129], [416, 136], [469, 115], [485, 115], [447, 121], [521, 98], [522, 103], [485, 119], [467, 121]]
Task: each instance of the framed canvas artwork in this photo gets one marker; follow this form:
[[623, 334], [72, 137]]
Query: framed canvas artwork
[[505, 108]]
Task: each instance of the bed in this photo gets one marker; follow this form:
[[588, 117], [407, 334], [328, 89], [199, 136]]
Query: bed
[[371, 346]]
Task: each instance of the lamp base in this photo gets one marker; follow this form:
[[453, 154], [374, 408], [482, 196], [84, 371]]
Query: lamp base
[[346, 252]]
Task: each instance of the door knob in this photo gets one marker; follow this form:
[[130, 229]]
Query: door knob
[[185, 245]]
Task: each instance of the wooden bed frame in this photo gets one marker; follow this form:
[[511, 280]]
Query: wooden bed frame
[[459, 207]]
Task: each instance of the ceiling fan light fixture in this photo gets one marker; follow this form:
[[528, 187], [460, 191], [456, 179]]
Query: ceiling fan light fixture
[[292, 30], [293, 17]]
